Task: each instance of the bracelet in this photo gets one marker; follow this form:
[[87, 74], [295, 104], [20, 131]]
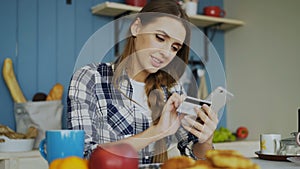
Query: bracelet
[[184, 147]]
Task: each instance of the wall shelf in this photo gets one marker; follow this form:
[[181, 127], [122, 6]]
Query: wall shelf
[[117, 9]]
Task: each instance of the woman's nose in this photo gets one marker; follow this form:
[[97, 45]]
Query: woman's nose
[[165, 51]]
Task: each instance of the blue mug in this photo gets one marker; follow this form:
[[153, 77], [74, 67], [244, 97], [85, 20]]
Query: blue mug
[[61, 144]]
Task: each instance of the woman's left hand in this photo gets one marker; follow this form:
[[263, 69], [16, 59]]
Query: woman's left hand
[[202, 130]]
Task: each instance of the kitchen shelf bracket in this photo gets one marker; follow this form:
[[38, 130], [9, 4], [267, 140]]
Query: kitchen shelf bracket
[[213, 27]]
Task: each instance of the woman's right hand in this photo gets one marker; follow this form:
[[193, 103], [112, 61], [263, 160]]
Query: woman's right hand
[[170, 120], [168, 124]]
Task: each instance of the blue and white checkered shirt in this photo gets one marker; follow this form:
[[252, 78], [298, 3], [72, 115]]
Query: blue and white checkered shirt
[[105, 113]]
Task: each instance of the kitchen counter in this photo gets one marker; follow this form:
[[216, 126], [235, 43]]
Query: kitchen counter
[[22, 160], [246, 148]]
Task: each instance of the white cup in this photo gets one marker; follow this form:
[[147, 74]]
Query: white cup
[[270, 143], [191, 8]]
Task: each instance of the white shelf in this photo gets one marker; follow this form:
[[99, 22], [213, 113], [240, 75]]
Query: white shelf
[[114, 9]]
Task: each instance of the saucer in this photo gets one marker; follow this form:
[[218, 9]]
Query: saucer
[[274, 157]]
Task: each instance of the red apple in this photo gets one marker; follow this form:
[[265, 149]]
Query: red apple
[[117, 156], [242, 132]]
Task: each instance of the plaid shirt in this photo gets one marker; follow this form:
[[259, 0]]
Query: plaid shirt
[[105, 113]]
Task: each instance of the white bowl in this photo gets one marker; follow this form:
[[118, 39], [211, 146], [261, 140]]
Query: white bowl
[[15, 145]]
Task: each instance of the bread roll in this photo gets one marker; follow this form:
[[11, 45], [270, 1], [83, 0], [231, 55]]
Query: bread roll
[[216, 159], [180, 162]]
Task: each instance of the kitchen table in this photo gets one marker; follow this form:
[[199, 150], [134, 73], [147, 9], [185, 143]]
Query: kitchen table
[[267, 164]]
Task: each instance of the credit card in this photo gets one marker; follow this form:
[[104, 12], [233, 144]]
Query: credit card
[[188, 105]]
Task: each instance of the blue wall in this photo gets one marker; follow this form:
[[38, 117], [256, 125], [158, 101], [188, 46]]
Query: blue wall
[[44, 38]]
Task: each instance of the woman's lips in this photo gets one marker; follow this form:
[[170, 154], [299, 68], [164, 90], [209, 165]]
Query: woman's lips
[[155, 62]]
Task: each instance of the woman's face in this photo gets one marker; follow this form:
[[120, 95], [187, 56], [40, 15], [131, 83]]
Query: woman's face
[[156, 44]]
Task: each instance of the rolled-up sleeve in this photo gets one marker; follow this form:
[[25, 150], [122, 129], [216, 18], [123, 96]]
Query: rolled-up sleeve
[[82, 105]]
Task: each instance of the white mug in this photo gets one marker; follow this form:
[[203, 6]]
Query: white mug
[[191, 8], [270, 143]]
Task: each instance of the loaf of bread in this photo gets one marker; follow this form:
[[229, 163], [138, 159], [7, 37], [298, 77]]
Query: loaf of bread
[[11, 81], [56, 92]]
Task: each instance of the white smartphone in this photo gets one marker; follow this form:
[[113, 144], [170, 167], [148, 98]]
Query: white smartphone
[[187, 106], [218, 98]]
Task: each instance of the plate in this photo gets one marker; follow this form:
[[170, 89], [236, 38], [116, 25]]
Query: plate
[[274, 157], [295, 160]]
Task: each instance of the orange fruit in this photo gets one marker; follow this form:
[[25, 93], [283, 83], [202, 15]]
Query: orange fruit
[[71, 162], [55, 163]]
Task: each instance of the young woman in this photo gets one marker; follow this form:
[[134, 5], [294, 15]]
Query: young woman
[[134, 99]]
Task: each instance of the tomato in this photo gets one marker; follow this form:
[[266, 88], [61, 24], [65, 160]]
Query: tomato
[[116, 156], [242, 132]]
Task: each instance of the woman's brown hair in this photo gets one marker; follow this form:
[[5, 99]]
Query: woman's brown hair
[[171, 73]]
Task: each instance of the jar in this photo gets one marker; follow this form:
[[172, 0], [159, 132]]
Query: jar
[[290, 146]]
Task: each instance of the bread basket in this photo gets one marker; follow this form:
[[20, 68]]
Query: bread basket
[[15, 145]]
